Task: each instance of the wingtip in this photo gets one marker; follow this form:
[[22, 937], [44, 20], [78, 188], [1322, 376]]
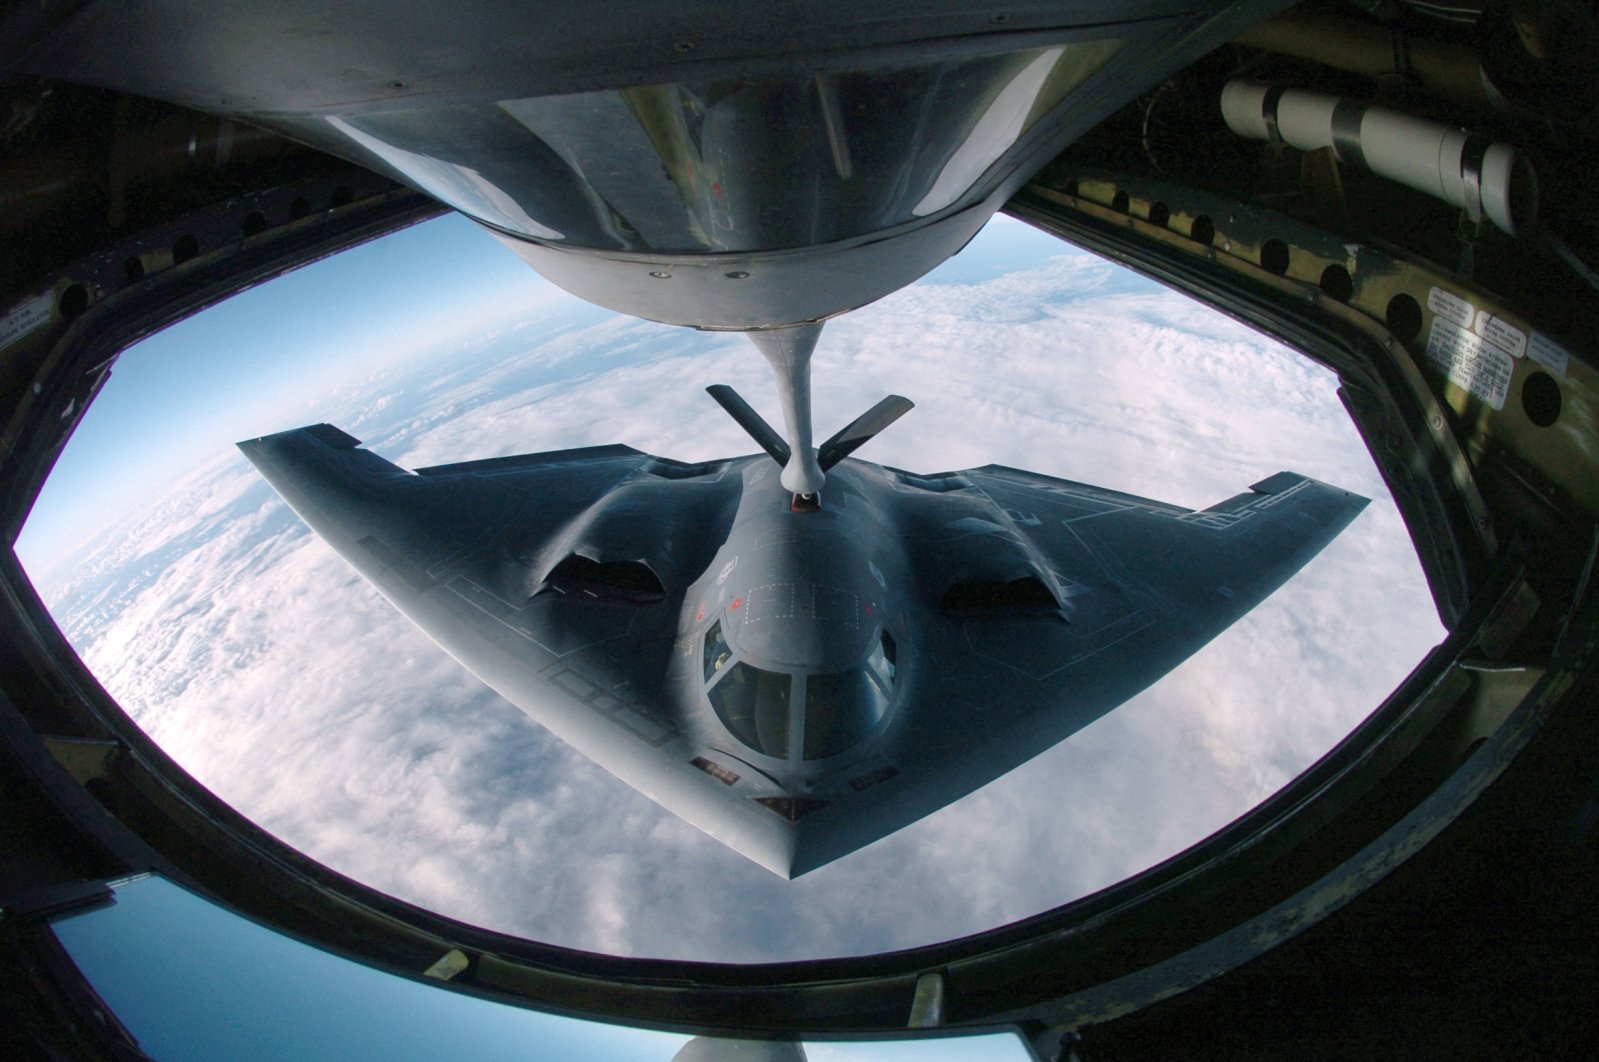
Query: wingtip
[[1279, 482]]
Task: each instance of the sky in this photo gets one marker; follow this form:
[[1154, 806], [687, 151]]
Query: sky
[[285, 684], [181, 396]]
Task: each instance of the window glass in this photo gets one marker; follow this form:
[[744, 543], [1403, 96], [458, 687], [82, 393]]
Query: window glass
[[717, 653], [754, 705], [840, 709], [191, 979], [882, 660]]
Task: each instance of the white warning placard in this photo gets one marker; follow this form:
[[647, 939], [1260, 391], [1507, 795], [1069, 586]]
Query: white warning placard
[[1448, 305], [25, 318], [1508, 337], [1471, 362], [1549, 354]]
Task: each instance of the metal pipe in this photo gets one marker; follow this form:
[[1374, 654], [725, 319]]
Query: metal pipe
[[788, 351], [1447, 71], [1484, 179]]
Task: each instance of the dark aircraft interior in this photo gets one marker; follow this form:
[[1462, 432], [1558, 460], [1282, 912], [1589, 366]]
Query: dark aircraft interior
[[1400, 190]]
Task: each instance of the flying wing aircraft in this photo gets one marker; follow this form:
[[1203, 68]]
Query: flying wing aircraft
[[798, 674]]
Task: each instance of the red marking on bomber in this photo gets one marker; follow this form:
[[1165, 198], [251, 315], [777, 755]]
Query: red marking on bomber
[[738, 603], [701, 613]]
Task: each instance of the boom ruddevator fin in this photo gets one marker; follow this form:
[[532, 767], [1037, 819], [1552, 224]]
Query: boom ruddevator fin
[[844, 442], [859, 431], [746, 417]]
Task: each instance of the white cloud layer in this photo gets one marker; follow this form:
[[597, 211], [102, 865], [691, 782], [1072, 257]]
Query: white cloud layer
[[284, 683]]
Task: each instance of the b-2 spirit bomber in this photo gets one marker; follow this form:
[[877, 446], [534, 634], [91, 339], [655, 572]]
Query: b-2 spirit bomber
[[802, 663]]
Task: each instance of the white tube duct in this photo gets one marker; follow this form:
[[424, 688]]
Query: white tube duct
[[788, 351], [1440, 160]]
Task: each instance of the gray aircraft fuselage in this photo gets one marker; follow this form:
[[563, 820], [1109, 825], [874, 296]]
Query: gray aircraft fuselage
[[806, 594], [798, 684]]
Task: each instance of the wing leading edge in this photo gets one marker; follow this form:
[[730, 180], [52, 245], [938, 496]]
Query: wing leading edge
[[1027, 607], [471, 554], [1050, 603]]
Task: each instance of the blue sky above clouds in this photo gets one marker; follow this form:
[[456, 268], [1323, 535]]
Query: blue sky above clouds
[[289, 687]]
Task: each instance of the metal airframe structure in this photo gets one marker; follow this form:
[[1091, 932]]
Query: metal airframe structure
[[1452, 831]]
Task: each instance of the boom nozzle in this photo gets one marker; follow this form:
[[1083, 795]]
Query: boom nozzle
[[752, 422], [844, 442], [788, 351], [858, 432]]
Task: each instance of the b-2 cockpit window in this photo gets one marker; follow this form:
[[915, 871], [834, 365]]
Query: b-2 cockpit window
[[840, 709], [717, 652], [753, 704], [882, 660]]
